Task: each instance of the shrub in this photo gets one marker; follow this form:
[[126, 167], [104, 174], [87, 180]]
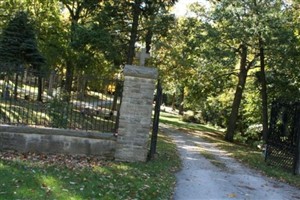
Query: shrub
[[58, 112], [252, 135]]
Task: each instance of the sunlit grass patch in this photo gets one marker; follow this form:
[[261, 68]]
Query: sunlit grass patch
[[176, 121], [24, 179]]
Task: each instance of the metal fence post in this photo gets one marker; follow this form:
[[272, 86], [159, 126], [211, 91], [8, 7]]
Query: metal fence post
[[297, 132], [155, 121]]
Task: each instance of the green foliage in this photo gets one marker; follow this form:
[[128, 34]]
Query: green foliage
[[216, 110], [252, 136], [202, 53], [18, 45], [197, 55], [58, 112]]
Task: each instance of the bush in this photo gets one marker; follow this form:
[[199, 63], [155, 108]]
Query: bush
[[191, 117], [58, 112], [252, 135]]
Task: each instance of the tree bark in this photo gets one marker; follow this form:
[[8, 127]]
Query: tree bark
[[149, 36], [264, 95], [16, 86], [51, 82], [134, 29], [242, 76], [181, 99], [75, 15], [117, 94], [69, 78], [81, 86], [173, 101], [40, 88]]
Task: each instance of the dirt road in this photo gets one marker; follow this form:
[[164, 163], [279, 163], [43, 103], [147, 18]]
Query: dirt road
[[222, 177]]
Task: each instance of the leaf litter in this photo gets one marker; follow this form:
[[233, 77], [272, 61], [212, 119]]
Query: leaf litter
[[69, 161]]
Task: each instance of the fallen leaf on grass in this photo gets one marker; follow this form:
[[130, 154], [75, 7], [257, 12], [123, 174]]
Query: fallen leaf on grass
[[69, 161]]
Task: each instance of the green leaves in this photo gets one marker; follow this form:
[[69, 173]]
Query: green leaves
[[18, 45]]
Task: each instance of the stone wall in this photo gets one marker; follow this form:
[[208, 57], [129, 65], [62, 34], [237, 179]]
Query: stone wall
[[135, 113], [45, 140]]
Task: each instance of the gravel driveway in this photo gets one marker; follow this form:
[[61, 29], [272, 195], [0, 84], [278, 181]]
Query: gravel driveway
[[228, 179]]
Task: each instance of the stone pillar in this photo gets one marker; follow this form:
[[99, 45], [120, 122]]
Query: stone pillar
[[135, 113]]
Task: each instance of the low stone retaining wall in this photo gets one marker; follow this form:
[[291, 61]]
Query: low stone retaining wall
[[44, 140]]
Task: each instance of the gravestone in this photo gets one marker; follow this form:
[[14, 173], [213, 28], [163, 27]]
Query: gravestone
[[136, 112]]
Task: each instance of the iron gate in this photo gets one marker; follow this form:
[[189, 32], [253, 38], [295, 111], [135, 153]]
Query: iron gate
[[283, 136]]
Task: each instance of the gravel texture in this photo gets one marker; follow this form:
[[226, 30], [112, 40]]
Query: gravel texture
[[221, 177]]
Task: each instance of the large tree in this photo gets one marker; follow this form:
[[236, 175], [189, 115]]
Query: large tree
[[18, 48]]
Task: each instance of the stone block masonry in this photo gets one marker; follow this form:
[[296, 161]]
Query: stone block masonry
[[45, 140], [135, 113]]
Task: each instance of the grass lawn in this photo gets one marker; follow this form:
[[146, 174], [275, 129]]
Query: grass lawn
[[26, 177], [247, 155]]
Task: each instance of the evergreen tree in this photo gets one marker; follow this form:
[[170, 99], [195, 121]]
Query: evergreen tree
[[18, 49], [18, 45]]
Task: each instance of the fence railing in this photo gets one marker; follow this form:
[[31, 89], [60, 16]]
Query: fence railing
[[283, 136], [33, 99]]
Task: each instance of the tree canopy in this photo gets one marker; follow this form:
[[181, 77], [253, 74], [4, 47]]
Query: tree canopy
[[225, 62]]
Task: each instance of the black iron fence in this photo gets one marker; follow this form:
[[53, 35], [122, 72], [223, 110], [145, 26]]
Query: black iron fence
[[34, 99], [283, 136], [155, 127]]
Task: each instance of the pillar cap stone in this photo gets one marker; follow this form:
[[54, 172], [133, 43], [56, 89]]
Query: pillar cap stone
[[140, 71]]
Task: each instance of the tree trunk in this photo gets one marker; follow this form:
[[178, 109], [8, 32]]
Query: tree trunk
[[173, 101], [181, 99], [40, 88], [75, 15], [242, 76], [51, 82], [81, 86], [149, 36], [16, 86], [117, 94], [134, 29], [264, 95], [69, 79]]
